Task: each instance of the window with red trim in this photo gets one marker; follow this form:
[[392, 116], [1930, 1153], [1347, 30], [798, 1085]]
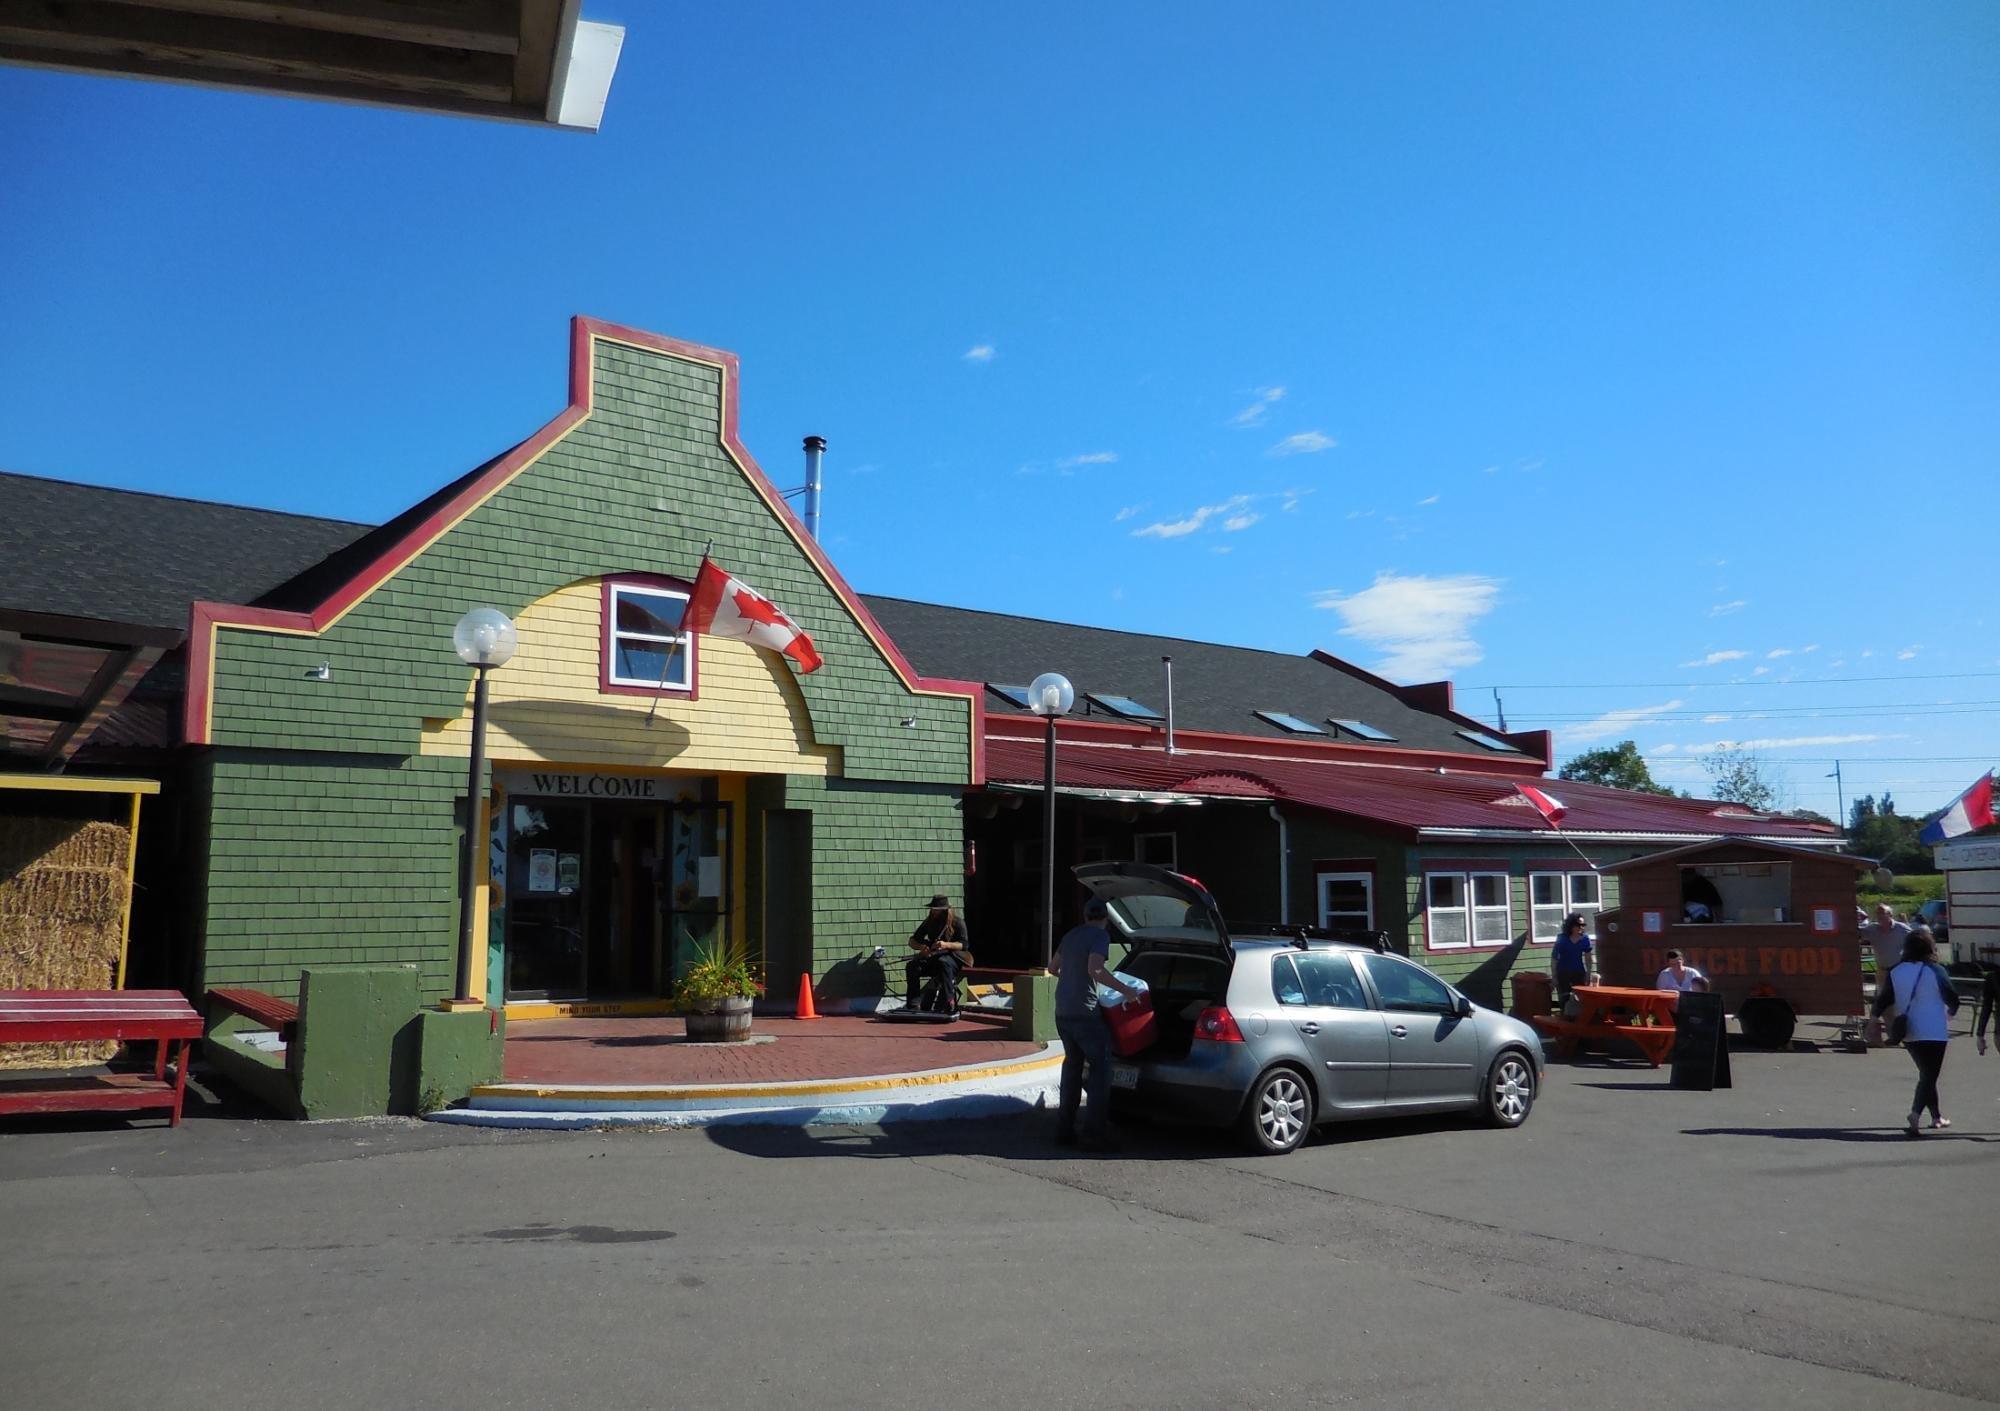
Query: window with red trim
[[644, 646]]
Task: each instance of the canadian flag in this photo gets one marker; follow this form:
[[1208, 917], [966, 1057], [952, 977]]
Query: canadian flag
[[728, 607], [1969, 812], [1548, 805]]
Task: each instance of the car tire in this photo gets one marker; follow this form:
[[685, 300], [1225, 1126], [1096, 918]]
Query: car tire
[[1278, 1114], [1510, 1089]]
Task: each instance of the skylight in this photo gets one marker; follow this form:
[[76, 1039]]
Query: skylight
[[1289, 723], [1123, 706], [1361, 729], [1013, 695], [1488, 742]]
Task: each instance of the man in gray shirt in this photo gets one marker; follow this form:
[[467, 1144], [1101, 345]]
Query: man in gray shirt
[[1079, 968], [1886, 935]]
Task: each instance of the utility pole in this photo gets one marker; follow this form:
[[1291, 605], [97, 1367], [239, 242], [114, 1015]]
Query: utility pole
[[1499, 709], [1840, 793]]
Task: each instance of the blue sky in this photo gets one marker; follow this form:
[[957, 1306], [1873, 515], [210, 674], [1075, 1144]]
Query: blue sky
[[1639, 359]]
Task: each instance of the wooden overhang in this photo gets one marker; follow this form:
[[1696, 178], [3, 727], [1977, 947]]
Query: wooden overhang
[[61, 676], [533, 61]]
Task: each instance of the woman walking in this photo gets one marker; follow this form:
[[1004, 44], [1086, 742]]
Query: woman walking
[[1922, 995]]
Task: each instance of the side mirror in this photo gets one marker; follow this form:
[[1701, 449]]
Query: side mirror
[[1464, 1007]]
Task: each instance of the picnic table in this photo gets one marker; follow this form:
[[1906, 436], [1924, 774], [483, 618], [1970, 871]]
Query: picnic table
[[76, 1016], [1644, 1018]]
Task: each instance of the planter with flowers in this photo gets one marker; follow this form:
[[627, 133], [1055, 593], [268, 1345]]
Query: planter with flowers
[[716, 994]]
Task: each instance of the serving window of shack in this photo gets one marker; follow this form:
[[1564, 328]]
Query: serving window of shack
[[1737, 894]]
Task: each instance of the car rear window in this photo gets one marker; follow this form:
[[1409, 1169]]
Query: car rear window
[[1164, 915]]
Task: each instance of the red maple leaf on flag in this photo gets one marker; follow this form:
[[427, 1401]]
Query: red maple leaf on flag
[[758, 609]]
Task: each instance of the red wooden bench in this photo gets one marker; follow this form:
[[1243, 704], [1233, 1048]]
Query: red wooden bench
[[268, 1010], [81, 1016]]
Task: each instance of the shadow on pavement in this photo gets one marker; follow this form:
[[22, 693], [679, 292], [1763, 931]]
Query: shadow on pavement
[[1837, 1134]]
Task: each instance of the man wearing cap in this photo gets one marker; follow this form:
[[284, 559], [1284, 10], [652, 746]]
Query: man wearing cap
[[1079, 968], [941, 947]]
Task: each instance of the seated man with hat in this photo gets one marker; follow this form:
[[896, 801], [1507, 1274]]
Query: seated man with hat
[[943, 949]]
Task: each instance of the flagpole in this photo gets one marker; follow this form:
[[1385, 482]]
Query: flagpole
[[1573, 847], [667, 666]]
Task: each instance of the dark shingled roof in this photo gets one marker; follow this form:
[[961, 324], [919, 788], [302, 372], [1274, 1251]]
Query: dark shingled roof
[[1216, 687], [129, 557]]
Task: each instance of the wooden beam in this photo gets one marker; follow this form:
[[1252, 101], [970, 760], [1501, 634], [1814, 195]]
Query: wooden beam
[[535, 60], [483, 26], [114, 36]]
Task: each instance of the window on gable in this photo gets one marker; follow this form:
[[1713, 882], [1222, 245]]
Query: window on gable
[[1123, 707], [1488, 742], [644, 646], [1016, 696], [1361, 730], [1289, 723]]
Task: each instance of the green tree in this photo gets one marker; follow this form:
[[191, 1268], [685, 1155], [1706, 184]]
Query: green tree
[[1620, 767], [1743, 777]]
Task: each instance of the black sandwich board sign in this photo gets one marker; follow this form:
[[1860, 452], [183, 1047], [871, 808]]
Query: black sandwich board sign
[[1701, 1042]]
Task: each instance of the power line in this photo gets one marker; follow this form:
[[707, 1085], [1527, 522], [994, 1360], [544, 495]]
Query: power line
[[1837, 712], [1685, 685]]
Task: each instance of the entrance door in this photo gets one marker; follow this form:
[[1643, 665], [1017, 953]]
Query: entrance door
[[627, 934], [695, 885], [1433, 1053], [787, 898], [546, 954]]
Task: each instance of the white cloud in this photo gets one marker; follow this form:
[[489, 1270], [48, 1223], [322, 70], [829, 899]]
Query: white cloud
[[1724, 609], [1361, 514], [1777, 652], [1808, 651], [1663, 749], [1615, 722], [1126, 513], [1093, 458], [1909, 653], [1303, 443], [1236, 523], [1867, 652], [1424, 623], [1788, 742], [1178, 528], [979, 353], [1716, 719], [1717, 658], [1491, 470], [1254, 414], [1222, 548], [1428, 500], [1762, 671]]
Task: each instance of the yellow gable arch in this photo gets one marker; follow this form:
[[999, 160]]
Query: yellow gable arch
[[547, 704]]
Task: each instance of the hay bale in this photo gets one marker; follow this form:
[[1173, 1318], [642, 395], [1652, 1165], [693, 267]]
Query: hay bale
[[62, 908]]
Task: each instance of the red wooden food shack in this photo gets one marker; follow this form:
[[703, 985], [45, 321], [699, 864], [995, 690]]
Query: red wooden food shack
[[1773, 928]]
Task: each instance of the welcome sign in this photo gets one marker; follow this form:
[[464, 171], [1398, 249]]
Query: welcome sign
[[623, 788]]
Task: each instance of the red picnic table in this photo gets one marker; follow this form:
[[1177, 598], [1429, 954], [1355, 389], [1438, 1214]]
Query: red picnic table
[[79, 1016], [1641, 1017]]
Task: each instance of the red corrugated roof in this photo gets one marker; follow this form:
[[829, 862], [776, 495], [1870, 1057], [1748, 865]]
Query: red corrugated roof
[[1399, 797]]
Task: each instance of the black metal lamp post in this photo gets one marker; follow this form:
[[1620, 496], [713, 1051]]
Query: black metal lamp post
[[1049, 696], [483, 639]]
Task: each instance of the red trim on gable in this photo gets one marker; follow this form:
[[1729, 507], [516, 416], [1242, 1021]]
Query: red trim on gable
[[206, 617]]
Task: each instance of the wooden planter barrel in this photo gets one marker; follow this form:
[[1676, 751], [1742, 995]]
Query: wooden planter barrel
[[722, 1021]]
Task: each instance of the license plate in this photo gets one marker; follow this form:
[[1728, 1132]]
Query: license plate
[[1124, 1075]]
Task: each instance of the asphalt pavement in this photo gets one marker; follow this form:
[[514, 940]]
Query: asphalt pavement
[[1779, 1244]]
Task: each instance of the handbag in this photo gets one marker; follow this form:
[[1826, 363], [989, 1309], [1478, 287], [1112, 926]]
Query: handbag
[[1899, 1027]]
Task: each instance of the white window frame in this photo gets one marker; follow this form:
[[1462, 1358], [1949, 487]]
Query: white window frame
[[1471, 910], [1570, 903], [1366, 879], [1173, 864], [681, 682]]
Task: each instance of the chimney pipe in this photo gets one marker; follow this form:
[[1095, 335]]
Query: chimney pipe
[[1168, 663], [815, 453]]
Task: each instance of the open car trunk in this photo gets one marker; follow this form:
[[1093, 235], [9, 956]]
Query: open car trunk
[[1175, 942]]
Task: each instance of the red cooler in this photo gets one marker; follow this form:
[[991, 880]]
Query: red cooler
[[1133, 1029]]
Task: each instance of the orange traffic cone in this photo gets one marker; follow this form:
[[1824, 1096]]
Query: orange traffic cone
[[806, 1009]]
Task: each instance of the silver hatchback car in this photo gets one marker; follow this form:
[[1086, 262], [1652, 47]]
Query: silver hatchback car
[[1277, 1035]]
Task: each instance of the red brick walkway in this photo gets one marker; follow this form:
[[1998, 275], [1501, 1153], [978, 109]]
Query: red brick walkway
[[632, 1051]]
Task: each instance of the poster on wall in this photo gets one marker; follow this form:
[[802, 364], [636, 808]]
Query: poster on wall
[[1824, 921], [541, 869], [569, 871], [1653, 923], [708, 881]]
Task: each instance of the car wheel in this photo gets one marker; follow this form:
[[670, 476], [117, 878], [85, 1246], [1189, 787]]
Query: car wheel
[[1510, 1089], [1279, 1112]]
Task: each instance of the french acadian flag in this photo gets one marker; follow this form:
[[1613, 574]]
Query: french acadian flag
[[1547, 805], [1969, 812], [723, 606]]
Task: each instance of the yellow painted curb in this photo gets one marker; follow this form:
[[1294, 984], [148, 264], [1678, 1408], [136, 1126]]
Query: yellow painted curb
[[936, 1078]]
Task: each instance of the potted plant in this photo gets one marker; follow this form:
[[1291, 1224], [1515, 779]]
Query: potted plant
[[716, 992]]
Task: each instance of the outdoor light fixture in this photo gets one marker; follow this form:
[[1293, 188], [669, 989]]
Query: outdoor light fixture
[[483, 639], [1049, 695]]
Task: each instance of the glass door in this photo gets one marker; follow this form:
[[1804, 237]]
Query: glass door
[[547, 844], [694, 892]]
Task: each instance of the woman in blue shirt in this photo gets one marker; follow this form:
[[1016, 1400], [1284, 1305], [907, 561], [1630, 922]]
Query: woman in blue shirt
[[1570, 962]]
